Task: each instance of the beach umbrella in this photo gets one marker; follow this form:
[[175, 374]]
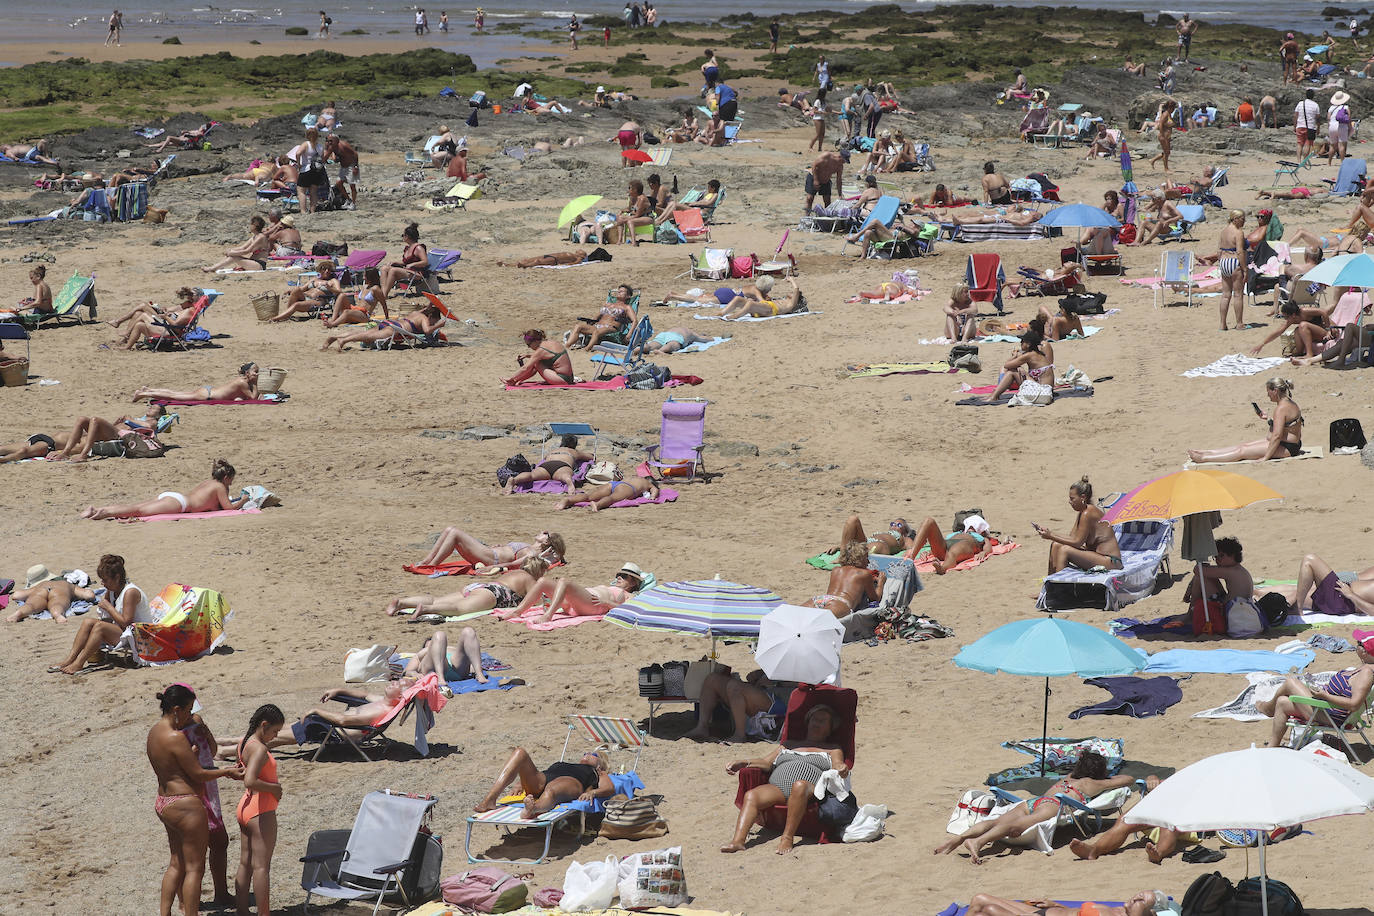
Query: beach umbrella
[[1127, 173], [576, 207], [1343, 270], [1050, 647], [1080, 216], [1186, 493], [799, 644], [636, 155], [707, 607], [1256, 789]]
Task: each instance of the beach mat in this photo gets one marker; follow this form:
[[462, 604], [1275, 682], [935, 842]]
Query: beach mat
[[1059, 394], [875, 370], [1313, 452], [452, 568], [470, 685], [607, 384], [752, 318], [558, 622], [1235, 365], [1226, 661], [187, 516], [959, 909]]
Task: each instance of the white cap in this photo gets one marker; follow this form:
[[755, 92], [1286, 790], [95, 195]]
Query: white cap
[[976, 524]]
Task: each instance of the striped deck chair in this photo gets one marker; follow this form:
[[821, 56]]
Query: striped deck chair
[[182, 337], [1144, 555]]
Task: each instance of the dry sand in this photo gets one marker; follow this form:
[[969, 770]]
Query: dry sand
[[364, 492]]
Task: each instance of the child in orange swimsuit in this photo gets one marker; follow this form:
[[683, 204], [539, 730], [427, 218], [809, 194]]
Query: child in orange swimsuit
[[257, 810]]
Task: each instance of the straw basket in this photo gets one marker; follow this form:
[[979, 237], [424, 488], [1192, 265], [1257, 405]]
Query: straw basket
[[266, 305], [270, 380], [407, 305], [14, 374]]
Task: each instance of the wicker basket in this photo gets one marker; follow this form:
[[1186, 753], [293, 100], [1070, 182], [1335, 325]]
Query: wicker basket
[[14, 374], [270, 380], [407, 305], [266, 305]]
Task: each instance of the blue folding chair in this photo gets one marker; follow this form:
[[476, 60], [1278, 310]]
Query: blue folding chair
[[884, 213], [628, 355]]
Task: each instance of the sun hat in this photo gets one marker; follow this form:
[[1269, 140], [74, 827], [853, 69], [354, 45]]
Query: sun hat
[[1340, 97], [632, 569], [288, 220], [885, 134], [37, 574], [1366, 639], [600, 88]]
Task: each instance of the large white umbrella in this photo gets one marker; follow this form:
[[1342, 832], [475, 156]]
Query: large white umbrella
[[799, 644], [1257, 789]]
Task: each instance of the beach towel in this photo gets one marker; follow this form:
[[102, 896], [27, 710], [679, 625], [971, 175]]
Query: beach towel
[[1226, 661], [608, 384], [1151, 282], [559, 620], [702, 345], [665, 495], [959, 909], [1235, 365], [875, 370], [1068, 391], [1134, 626], [925, 562], [1137, 697], [1002, 232], [459, 567], [190, 623], [186, 516], [470, 685], [1060, 756], [1088, 331], [223, 402], [1261, 687], [751, 318], [1314, 451]]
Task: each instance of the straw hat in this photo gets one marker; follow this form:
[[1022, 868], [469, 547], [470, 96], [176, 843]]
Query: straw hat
[[288, 220], [632, 570], [37, 574], [1340, 97]]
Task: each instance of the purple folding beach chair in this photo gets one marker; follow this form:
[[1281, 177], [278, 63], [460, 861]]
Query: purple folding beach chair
[[681, 439]]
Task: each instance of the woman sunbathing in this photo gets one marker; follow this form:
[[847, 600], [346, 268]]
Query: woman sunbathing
[[258, 171], [764, 307], [46, 591], [1088, 778], [638, 211], [90, 430], [186, 138], [792, 776], [548, 547], [423, 323], [186, 297], [251, 255], [505, 591], [113, 619], [898, 537], [209, 496], [459, 662], [674, 339], [548, 260], [354, 718], [243, 388], [608, 494], [40, 303], [852, 585], [357, 308], [550, 362], [548, 788], [901, 284], [707, 201], [1091, 543], [566, 595], [1142, 904], [949, 550], [1285, 431], [558, 464], [147, 325], [39, 445], [612, 323], [413, 263], [312, 294], [1348, 691]]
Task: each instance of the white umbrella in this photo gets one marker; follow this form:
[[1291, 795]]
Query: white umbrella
[[1257, 789], [799, 644]]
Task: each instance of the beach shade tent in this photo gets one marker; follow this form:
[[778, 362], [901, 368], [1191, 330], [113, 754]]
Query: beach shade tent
[[1050, 647], [1344, 270], [1080, 216], [190, 623], [1258, 789], [799, 644], [706, 607], [576, 207]]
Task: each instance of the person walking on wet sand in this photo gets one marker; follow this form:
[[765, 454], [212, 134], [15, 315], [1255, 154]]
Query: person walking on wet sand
[[573, 28], [774, 28], [325, 23], [116, 27]]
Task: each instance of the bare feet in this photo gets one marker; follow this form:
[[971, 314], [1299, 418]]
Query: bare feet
[[698, 734], [940, 568], [484, 806], [785, 845], [393, 606], [1195, 455], [1083, 850], [731, 847], [1152, 852], [88, 512], [972, 847], [946, 847]]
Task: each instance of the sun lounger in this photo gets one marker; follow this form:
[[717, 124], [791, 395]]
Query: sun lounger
[[422, 700], [1144, 555], [1085, 816], [76, 292]]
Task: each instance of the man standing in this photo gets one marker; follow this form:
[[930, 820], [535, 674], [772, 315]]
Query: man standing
[[827, 167], [1289, 52], [1305, 118], [116, 26], [773, 28], [343, 152], [1185, 27]]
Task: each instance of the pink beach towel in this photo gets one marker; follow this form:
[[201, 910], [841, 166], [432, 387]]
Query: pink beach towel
[[665, 495], [219, 402], [187, 516], [531, 619], [926, 563]]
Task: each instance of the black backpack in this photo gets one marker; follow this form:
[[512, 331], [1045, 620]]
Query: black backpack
[[1084, 303], [1208, 895], [1248, 901], [1274, 608], [329, 249], [515, 464], [1346, 433]]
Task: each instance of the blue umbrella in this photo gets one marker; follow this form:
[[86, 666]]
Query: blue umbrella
[[1050, 647], [1079, 216], [1343, 270]]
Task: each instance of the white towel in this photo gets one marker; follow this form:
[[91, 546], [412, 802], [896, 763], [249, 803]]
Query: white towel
[[832, 783], [1234, 366]]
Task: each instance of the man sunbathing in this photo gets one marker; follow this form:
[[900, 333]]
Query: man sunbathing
[[608, 494], [567, 595], [745, 698], [1322, 590], [548, 788], [26, 152], [548, 260], [852, 584], [243, 388], [1017, 216], [1142, 904], [1160, 843], [1226, 580], [90, 430], [505, 591]]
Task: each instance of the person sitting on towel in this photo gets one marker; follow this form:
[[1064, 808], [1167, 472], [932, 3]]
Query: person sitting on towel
[[580, 601], [1091, 543], [949, 550], [1227, 580], [1142, 904], [852, 584], [504, 591], [549, 361], [209, 496], [1285, 430], [606, 495], [243, 388], [757, 693], [548, 788]]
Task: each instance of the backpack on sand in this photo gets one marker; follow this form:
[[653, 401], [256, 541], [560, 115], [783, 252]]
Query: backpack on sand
[[1208, 895], [485, 890]]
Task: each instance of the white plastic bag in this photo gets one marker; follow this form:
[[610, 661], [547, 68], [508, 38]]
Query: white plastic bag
[[867, 824], [652, 879], [371, 664], [590, 886]]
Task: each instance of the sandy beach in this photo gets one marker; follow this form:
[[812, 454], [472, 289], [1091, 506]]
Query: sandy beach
[[369, 461]]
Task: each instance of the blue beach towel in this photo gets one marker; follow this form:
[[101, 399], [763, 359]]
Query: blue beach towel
[[706, 345], [1137, 697], [1227, 661]]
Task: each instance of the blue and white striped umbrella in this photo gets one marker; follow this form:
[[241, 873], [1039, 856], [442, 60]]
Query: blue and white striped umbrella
[[707, 607]]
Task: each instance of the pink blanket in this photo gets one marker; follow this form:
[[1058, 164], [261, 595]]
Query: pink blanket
[[531, 619], [217, 402], [665, 495], [926, 563], [187, 516]]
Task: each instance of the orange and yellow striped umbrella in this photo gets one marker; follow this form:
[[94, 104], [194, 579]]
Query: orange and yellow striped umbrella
[[1187, 492]]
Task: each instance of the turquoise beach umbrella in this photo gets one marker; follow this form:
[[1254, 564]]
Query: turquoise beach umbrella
[[1050, 647], [1080, 216], [1343, 270]]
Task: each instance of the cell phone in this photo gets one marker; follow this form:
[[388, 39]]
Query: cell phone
[[1258, 412]]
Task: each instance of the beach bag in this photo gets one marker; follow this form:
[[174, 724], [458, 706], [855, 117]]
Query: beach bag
[[963, 515], [1032, 394], [599, 254], [742, 265], [515, 464], [371, 664], [652, 879], [139, 445], [1127, 234], [1084, 303], [836, 814], [589, 887], [632, 818], [1342, 115], [1244, 618], [974, 806], [1208, 895], [651, 681], [604, 472], [1208, 617], [329, 249], [485, 890], [648, 376], [1347, 433], [675, 679], [1248, 899], [1275, 609], [959, 351]]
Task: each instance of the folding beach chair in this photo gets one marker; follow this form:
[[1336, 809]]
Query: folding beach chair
[[67, 301], [1034, 123], [328, 735], [714, 264], [1175, 273], [681, 437], [456, 197], [609, 733], [182, 337], [1256, 282], [1350, 179], [441, 261], [1291, 169], [884, 213], [660, 155], [1208, 195], [692, 225], [1145, 550], [1189, 216], [628, 355], [390, 854], [985, 279], [1319, 721], [581, 430], [1086, 817]]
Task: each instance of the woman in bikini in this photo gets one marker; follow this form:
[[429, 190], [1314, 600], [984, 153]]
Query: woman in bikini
[[312, 294], [178, 804], [113, 620], [961, 314], [1164, 128], [612, 322], [149, 322], [257, 810], [559, 464], [899, 536], [423, 323], [1348, 691], [1232, 265], [576, 600], [40, 303], [949, 550], [414, 260], [210, 496], [547, 546], [608, 494], [1029, 363], [357, 308], [243, 388], [251, 255], [765, 307], [550, 362], [1091, 543], [1143, 903], [1059, 325], [186, 297], [1310, 324], [1285, 431], [506, 590], [852, 584], [1088, 779]]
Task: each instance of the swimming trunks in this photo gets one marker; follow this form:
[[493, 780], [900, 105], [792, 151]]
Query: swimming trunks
[[1001, 196], [1328, 599], [724, 295], [40, 437], [823, 190], [584, 773], [505, 596], [178, 497]]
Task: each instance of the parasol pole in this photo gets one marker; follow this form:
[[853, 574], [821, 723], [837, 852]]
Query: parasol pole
[[1264, 875], [1045, 730]]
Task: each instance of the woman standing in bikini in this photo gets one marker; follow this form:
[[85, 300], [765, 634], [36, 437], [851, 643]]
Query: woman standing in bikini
[[1232, 264], [243, 388], [550, 361], [209, 496], [1285, 431], [178, 803], [257, 811], [1092, 542]]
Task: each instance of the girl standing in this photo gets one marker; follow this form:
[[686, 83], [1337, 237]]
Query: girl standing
[[257, 811]]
